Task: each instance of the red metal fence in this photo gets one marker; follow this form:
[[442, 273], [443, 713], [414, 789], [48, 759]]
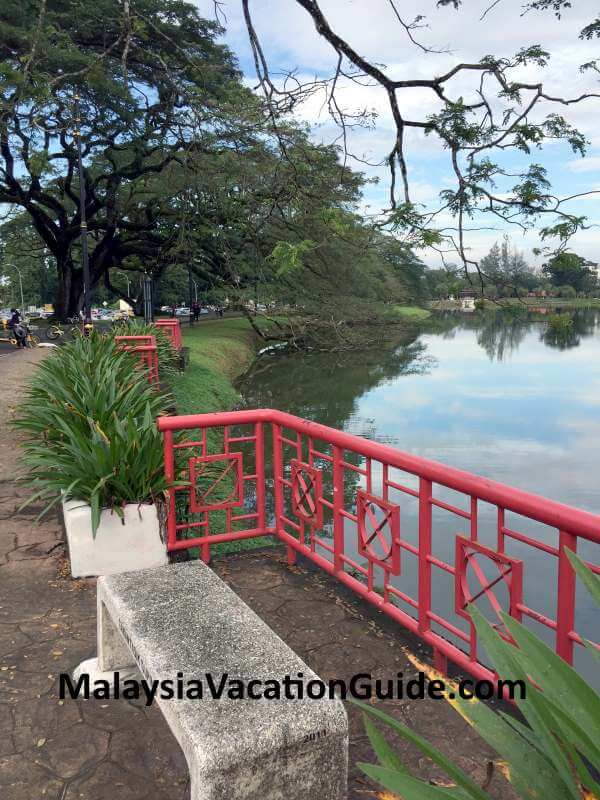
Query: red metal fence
[[343, 502], [172, 329], [144, 346]]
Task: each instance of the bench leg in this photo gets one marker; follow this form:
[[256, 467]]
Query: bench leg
[[113, 653]]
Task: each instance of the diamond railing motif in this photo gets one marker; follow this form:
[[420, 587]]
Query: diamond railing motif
[[307, 491], [510, 573], [312, 479], [378, 531], [212, 472]]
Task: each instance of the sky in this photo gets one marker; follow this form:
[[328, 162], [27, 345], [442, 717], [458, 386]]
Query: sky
[[291, 42]]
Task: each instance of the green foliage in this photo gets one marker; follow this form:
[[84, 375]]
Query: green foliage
[[552, 755], [560, 323], [287, 256], [89, 419], [506, 268], [135, 68], [408, 220], [567, 292], [568, 269]]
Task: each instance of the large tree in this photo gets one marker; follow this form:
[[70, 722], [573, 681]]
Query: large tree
[[506, 268], [153, 87], [569, 269]]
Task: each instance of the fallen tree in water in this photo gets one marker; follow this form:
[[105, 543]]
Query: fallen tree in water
[[344, 324]]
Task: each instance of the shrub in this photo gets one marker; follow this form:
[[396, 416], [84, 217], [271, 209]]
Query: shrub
[[567, 292], [553, 755], [560, 324], [90, 433]]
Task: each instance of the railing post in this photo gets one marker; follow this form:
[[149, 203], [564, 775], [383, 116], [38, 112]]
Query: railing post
[[278, 487], [425, 493], [338, 505], [170, 476], [565, 600], [260, 474]]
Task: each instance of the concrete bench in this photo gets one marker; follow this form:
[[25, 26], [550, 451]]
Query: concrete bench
[[184, 619]]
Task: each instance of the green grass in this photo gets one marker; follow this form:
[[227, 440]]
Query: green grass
[[412, 312]]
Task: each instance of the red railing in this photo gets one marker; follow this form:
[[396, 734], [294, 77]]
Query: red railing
[[144, 346], [343, 502], [172, 329]]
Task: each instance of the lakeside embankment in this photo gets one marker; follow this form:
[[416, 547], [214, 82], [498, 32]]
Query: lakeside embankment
[[564, 303]]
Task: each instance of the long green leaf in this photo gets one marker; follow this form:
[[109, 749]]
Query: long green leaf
[[408, 788], [590, 581], [385, 754], [533, 774], [454, 772], [554, 676]]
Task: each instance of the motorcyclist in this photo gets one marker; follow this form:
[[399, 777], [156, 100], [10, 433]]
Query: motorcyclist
[[17, 325]]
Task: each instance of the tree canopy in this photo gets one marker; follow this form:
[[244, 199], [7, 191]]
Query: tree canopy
[[569, 269], [152, 84]]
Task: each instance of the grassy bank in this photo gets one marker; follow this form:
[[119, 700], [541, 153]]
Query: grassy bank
[[220, 351], [412, 312]]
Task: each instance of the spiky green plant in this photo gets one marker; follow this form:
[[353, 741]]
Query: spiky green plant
[[168, 358], [90, 433], [553, 755]]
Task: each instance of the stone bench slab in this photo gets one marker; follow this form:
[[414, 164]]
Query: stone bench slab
[[183, 618]]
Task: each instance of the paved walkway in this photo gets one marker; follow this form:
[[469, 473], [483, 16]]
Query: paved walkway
[[120, 750]]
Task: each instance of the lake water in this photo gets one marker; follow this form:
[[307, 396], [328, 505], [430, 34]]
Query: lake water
[[495, 395]]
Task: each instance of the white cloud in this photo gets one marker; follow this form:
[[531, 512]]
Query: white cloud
[[590, 164]]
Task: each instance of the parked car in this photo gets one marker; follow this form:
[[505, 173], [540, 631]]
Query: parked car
[[182, 312]]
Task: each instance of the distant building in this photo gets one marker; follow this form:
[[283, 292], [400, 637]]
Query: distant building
[[467, 299]]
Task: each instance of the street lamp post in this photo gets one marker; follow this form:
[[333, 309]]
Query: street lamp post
[[87, 312], [128, 282], [190, 281]]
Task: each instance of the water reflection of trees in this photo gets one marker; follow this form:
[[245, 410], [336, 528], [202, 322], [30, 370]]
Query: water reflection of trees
[[325, 387], [561, 340], [501, 335], [500, 332], [584, 323]]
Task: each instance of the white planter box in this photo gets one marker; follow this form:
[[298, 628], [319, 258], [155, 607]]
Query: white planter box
[[121, 545]]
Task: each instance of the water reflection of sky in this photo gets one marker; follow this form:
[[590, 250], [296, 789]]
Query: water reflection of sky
[[531, 420]]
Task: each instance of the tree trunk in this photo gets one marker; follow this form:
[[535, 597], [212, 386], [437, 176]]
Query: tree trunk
[[69, 289]]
